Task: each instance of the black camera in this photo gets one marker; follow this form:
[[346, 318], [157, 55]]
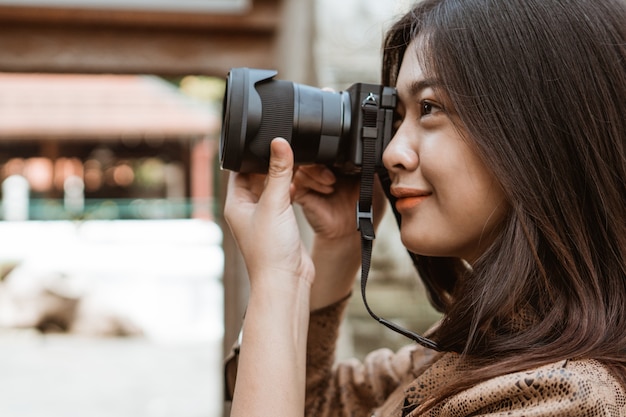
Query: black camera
[[323, 127]]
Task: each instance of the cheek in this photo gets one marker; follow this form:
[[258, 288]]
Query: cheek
[[443, 167], [479, 210], [469, 201]]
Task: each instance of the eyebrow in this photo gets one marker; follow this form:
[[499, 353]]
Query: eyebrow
[[417, 86]]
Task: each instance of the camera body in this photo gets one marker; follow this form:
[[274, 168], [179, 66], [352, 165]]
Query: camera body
[[323, 127]]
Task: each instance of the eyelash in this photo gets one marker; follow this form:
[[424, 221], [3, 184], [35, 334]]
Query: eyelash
[[427, 107]]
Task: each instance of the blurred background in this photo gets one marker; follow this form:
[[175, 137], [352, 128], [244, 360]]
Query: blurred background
[[120, 288]]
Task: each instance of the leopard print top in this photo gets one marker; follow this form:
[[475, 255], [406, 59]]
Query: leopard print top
[[388, 384]]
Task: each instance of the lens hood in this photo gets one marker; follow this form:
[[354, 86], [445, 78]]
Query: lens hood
[[241, 114]]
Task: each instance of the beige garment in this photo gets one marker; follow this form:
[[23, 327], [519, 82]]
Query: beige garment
[[390, 384]]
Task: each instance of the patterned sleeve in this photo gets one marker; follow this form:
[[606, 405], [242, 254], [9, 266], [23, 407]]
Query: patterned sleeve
[[349, 387]]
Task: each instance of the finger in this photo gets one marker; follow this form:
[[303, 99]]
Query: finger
[[318, 179], [237, 185], [318, 173], [280, 170], [303, 187], [244, 187], [237, 196]]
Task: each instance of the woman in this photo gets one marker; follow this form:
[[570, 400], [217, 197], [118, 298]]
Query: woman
[[507, 172]]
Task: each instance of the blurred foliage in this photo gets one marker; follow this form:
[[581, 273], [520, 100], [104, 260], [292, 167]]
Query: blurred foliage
[[209, 90]]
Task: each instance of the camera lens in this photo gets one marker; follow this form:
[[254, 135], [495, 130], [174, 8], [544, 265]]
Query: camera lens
[[257, 108]]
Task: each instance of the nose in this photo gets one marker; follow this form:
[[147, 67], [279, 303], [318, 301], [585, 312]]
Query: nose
[[400, 153]]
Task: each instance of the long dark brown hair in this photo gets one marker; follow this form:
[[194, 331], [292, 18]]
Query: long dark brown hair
[[540, 88]]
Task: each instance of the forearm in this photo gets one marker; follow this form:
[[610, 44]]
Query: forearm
[[272, 361]]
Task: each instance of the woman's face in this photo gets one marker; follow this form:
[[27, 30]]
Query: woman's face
[[449, 201]]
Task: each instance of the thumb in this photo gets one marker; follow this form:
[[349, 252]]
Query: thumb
[[280, 169]]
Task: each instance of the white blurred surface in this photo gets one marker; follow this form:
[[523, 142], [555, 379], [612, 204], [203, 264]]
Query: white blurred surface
[[165, 276], [69, 376]]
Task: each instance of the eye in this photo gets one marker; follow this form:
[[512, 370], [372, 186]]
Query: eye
[[428, 107]]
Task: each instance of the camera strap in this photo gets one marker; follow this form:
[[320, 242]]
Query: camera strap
[[373, 121]]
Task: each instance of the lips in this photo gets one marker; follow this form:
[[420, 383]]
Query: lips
[[408, 198], [408, 203]]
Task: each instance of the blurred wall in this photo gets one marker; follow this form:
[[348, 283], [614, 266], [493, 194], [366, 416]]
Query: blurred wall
[[349, 39]]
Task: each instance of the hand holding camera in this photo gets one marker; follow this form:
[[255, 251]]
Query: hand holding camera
[[327, 132]]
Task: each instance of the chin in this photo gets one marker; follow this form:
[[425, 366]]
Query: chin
[[427, 248], [419, 248]]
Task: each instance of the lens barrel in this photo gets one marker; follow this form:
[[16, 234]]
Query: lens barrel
[[322, 127]]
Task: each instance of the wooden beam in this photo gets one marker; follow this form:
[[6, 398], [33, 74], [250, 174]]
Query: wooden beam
[[29, 48], [262, 16], [106, 41]]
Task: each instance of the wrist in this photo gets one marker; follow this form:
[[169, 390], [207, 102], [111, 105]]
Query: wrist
[[345, 249], [280, 286], [337, 262]]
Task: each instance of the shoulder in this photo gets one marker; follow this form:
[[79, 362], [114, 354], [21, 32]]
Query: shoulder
[[564, 388]]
